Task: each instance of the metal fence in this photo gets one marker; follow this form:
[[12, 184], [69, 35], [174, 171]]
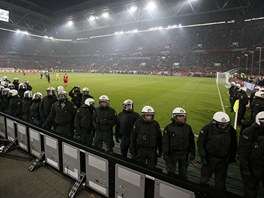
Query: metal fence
[[109, 175]]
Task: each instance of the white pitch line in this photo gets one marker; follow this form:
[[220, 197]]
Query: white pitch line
[[221, 101]]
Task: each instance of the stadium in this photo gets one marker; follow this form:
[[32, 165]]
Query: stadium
[[158, 53]]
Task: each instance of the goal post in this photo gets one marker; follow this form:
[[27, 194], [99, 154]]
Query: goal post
[[222, 77]]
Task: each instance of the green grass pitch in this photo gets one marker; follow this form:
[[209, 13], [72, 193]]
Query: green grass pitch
[[198, 96]]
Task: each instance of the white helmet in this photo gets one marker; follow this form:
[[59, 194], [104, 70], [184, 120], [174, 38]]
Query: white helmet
[[221, 117], [256, 88], [238, 85], [3, 83], [89, 102], [62, 95], [233, 83], [5, 91], [22, 86], [103, 98], [261, 89], [13, 92], [244, 89], [259, 94], [4, 78], [37, 96], [28, 94], [85, 89], [178, 111], [147, 110], [128, 105], [260, 118], [60, 88]]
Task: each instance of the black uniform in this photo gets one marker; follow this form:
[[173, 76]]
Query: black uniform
[[145, 141], [124, 126], [83, 124], [251, 157], [243, 101], [217, 148], [45, 107], [26, 104], [62, 115], [178, 143], [257, 106], [76, 97], [15, 106], [21, 92], [232, 98], [34, 112], [104, 119], [5, 103]]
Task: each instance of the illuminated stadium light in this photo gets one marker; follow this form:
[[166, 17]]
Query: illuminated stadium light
[[180, 25], [46, 37], [92, 18], [132, 9], [151, 6], [18, 31], [70, 23], [105, 15], [192, 0]]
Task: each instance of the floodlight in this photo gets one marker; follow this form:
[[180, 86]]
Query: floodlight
[[92, 18], [105, 15], [132, 9], [70, 23], [151, 6]]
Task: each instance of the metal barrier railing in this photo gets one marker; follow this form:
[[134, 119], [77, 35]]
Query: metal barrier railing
[[109, 175]]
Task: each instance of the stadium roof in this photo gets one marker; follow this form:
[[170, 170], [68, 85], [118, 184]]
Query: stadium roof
[[87, 15]]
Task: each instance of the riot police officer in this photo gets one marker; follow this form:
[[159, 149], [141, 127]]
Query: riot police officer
[[231, 93], [35, 108], [16, 83], [257, 104], [46, 103], [146, 138], [5, 100], [124, 125], [243, 101], [104, 119], [62, 114], [21, 89], [85, 94], [178, 143], [251, 156], [217, 145], [83, 122], [15, 104], [26, 104], [76, 96]]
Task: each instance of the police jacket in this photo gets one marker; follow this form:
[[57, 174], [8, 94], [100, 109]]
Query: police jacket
[[15, 106], [26, 104], [76, 98], [83, 117], [257, 106], [61, 114], [145, 135], [251, 147], [125, 122], [45, 106], [219, 143], [243, 98], [5, 104], [34, 109], [104, 119], [178, 138]]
